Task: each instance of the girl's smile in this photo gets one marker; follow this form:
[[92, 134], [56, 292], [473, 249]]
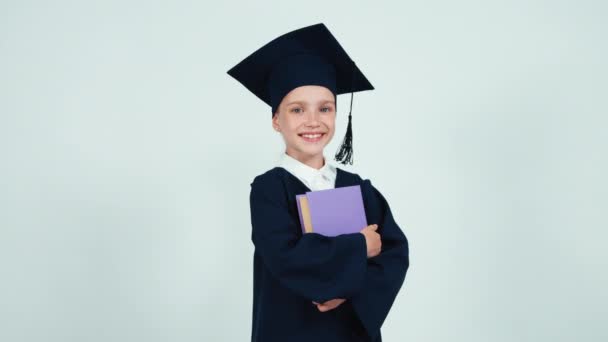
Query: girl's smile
[[312, 138]]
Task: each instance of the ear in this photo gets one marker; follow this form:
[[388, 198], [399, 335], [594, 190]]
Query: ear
[[275, 122]]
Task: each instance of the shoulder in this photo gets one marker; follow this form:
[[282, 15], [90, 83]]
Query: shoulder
[[267, 178], [268, 188], [352, 177], [269, 183]]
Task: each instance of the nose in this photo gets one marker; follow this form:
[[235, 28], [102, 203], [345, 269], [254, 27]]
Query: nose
[[312, 118]]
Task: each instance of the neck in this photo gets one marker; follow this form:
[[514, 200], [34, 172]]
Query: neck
[[315, 161]]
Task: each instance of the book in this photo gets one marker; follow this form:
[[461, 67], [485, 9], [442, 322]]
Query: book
[[332, 212]]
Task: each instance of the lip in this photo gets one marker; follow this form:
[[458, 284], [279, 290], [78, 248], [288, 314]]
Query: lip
[[301, 135]]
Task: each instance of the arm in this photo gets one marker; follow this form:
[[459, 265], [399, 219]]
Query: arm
[[312, 265], [386, 271]]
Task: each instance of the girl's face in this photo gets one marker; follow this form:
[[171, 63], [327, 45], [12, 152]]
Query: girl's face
[[306, 110]]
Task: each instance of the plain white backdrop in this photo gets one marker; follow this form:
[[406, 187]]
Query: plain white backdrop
[[127, 153]]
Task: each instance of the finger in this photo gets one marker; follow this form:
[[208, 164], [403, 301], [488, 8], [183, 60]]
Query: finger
[[374, 226]]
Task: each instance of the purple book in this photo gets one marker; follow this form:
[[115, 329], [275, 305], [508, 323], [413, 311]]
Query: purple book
[[332, 212]]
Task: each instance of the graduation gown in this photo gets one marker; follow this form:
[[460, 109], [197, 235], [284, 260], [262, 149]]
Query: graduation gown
[[292, 269]]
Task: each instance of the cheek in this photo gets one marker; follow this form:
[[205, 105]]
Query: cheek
[[331, 124], [292, 132], [331, 133]]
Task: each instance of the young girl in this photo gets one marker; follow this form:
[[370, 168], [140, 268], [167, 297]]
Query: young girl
[[310, 287]]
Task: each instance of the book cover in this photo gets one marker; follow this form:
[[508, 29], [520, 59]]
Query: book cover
[[332, 212]]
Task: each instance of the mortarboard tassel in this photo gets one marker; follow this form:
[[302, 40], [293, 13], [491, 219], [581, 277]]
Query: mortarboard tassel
[[345, 153]]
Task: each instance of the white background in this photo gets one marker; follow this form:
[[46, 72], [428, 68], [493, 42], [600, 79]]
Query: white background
[[127, 154]]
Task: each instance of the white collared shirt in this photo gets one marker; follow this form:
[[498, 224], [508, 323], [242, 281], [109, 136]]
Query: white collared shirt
[[321, 179]]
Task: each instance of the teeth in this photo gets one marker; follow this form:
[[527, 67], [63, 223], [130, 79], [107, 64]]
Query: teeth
[[311, 136]]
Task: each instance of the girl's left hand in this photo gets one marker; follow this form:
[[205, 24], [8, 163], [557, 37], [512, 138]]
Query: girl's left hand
[[330, 304]]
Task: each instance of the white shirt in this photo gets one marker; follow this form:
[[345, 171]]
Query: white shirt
[[321, 179]]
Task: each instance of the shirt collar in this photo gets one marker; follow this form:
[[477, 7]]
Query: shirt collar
[[308, 173]]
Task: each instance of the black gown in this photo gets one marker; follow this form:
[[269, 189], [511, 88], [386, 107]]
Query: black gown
[[292, 269]]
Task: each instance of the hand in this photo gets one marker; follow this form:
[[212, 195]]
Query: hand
[[330, 304], [372, 240]]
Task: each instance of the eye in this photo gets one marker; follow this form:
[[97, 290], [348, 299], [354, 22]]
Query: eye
[[296, 110], [326, 111]]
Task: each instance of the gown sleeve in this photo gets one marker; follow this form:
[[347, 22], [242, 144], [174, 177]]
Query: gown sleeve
[[314, 266], [386, 271]]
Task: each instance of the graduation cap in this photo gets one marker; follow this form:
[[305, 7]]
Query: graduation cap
[[307, 56]]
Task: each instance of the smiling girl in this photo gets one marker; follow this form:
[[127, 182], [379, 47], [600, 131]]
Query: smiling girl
[[310, 287]]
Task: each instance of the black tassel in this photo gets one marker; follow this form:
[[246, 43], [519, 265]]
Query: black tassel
[[345, 152]]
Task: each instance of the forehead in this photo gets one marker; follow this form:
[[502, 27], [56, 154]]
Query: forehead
[[311, 94]]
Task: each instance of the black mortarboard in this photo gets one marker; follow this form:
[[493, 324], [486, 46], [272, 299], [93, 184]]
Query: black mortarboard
[[307, 56]]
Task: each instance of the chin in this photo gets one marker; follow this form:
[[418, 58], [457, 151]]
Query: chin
[[311, 151]]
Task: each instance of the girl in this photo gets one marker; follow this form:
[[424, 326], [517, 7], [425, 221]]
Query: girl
[[310, 287]]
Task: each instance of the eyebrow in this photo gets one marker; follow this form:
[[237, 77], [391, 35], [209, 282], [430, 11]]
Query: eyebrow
[[302, 102]]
